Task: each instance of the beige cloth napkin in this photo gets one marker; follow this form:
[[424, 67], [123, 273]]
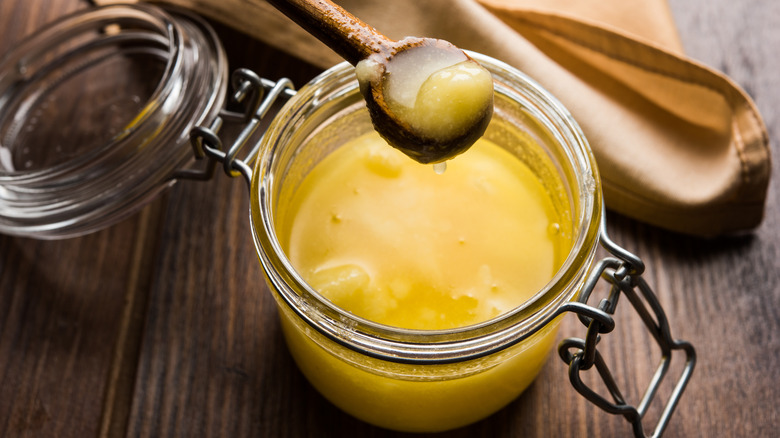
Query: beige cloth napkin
[[678, 145]]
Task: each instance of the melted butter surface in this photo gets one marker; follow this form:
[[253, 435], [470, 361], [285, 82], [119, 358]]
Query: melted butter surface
[[390, 240]]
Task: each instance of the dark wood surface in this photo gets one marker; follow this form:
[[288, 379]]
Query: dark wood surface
[[161, 326]]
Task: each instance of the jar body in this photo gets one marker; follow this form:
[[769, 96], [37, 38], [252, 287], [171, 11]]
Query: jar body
[[411, 397], [418, 380]]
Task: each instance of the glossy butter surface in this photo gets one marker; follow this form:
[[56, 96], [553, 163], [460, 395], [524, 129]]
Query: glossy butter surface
[[394, 242]]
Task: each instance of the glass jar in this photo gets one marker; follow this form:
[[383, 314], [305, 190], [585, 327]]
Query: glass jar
[[424, 381], [417, 380], [171, 112]]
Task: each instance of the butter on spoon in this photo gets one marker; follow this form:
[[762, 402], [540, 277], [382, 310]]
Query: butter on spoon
[[425, 96]]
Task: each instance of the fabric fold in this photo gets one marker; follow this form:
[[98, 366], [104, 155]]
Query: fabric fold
[[694, 155], [678, 145]]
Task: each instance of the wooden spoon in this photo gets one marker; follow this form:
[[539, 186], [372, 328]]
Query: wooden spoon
[[392, 73]]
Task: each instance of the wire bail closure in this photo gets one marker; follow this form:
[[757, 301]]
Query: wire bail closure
[[623, 270], [257, 95], [624, 273]]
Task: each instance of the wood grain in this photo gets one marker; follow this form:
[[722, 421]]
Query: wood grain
[[161, 326]]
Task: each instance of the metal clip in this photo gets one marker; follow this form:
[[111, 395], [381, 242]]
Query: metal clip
[[257, 95], [624, 273]]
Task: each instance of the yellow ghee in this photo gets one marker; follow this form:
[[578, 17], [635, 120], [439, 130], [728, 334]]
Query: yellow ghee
[[394, 242], [436, 94], [443, 102]]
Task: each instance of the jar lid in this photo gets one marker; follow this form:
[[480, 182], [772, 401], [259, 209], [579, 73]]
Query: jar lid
[[95, 115]]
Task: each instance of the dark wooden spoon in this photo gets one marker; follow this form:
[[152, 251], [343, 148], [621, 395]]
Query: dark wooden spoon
[[358, 42]]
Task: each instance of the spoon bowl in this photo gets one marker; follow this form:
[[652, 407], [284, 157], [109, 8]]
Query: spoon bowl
[[426, 97]]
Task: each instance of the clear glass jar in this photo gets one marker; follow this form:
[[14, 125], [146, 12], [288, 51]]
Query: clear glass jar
[[148, 62], [416, 380]]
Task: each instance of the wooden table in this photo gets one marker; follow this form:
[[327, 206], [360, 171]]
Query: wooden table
[[161, 325]]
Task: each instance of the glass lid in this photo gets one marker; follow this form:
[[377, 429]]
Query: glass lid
[[95, 114]]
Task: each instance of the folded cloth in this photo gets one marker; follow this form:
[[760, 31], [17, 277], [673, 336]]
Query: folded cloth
[[678, 145]]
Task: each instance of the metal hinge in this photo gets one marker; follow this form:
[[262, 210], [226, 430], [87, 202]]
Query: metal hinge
[[257, 95]]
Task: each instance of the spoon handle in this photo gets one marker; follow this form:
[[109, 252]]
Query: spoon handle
[[344, 33]]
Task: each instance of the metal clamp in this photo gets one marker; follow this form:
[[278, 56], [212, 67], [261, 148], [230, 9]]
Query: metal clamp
[[257, 95], [624, 273]]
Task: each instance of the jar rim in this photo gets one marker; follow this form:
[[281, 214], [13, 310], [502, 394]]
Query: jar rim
[[414, 345], [176, 59]]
